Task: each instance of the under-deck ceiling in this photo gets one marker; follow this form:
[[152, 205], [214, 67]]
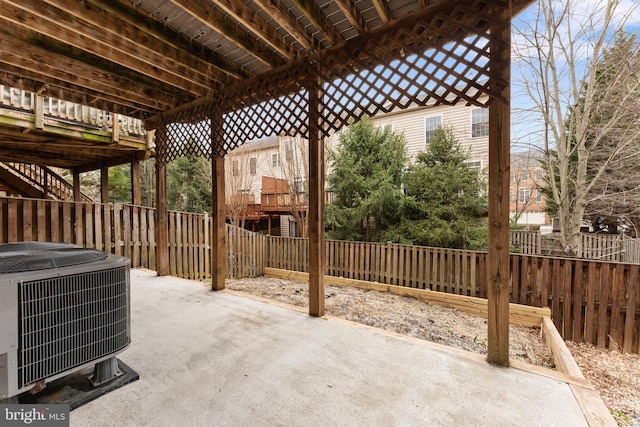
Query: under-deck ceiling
[[142, 57]]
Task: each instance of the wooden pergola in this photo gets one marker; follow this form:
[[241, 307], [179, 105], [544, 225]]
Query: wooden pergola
[[208, 75]]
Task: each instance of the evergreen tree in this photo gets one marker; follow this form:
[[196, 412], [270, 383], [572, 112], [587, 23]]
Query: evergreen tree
[[188, 184], [120, 184], [366, 177], [446, 198]]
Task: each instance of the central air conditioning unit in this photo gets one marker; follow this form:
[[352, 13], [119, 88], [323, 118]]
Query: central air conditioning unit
[[62, 308]]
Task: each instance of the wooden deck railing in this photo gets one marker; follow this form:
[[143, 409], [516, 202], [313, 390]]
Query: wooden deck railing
[[593, 301], [69, 111]]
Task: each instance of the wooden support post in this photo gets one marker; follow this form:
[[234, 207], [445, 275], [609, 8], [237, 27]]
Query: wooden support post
[[316, 208], [76, 186], [39, 116], [498, 269], [136, 197], [162, 223], [219, 255], [115, 128], [104, 185], [45, 182]]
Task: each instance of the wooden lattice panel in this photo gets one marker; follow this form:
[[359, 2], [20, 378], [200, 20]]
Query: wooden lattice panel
[[184, 133], [429, 58]]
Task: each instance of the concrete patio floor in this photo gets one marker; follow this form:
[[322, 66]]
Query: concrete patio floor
[[216, 359]]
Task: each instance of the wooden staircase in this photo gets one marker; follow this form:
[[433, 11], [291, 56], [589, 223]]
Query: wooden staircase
[[36, 181]]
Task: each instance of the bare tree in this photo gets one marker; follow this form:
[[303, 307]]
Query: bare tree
[[294, 169], [561, 52], [240, 172]]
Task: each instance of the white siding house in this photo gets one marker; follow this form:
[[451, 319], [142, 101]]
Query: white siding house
[[469, 124]]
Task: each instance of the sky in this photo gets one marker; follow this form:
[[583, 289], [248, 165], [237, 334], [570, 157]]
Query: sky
[[583, 26]]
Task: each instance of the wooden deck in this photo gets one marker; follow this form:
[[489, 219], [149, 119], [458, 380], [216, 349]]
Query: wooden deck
[[44, 130]]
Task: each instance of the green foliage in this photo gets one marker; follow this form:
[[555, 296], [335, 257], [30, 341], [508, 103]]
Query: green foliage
[[120, 184], [366, 182], [446, 198], [188, 184]]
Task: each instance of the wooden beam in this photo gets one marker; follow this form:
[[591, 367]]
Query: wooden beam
[[50, 22], [24, 48], [256, 24], [312, 11], [162, 223], [136, 196], [104, 185], [383, 10], [498, 265], [129, 24], [352, 14], [216, 20], [279, 13], [316, 206], [219, 230]]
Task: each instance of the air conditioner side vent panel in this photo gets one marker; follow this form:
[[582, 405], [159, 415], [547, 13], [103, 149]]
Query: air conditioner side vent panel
[[69, 320]]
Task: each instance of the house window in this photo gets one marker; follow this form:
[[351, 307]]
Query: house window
[[524, 175], [539, 174], [386, 127], [253, 164], [474, 164], [236, 168], [432, 124], [512, 176], [524, 194], [511, 195], [299, 184], [538, 196], [275, 160], [479, 122], [293, 232]]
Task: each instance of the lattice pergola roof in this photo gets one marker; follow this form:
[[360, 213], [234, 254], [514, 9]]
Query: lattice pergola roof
[[438, 55]]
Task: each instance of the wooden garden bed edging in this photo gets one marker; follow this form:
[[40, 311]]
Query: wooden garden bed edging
[[518, 314], [593, 408]]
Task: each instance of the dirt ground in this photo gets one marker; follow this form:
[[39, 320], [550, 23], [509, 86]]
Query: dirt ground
[[616, 376]]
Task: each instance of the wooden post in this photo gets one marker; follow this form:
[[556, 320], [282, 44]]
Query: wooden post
[[219, 257], [39, 114], [115, 128], [498, 269], [45, 182], [316, 208], [76, 186], [104, 185], [162, 223], [136, 197]]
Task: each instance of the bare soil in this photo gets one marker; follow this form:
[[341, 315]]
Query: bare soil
[[615, 375]]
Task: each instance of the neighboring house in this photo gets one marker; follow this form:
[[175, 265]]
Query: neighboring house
[[265, 175], [527, 202], [469, 124], [265, 182]]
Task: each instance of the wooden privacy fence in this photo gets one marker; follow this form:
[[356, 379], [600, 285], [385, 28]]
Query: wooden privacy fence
[[604, 247], [129, 231], [593, 301], [438, 269]]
